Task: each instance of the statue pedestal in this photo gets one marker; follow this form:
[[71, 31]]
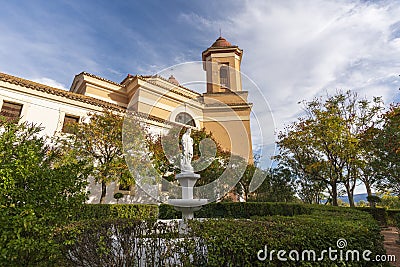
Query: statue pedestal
[[187, 180], [187, 205], [184, 205]]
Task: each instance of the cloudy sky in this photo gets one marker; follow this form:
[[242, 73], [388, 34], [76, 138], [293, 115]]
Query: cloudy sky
[[293, 50]]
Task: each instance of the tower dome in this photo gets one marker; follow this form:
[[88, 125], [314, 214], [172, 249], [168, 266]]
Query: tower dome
[[221, 42], [172, 80]]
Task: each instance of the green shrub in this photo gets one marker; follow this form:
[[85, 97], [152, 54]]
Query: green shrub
[[220, 242], [379, 214], [39, 191], [392, 216], [166, 211], [396, 218], [118, 196], [397, 221], [247, 210], [114, 211], [374, 199], [236, 242], [239, 210], [126, 242]]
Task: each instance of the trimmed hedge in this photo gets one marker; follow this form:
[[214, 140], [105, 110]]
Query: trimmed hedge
[[379, 214], [236, 242], [393, 215], [397, 221], [167, 212], [246, 210], [238, 210], [114, 211], [221, 242], [250, 209], [125, 242]]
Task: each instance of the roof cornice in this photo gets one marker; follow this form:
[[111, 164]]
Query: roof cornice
[[99, 78], [58, 92]]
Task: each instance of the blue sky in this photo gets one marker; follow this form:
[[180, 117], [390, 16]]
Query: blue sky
[[58, 39], [293, 50]]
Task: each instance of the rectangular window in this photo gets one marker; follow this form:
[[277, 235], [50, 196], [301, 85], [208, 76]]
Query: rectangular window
[[11, 111], [224, 75], [69, 121]]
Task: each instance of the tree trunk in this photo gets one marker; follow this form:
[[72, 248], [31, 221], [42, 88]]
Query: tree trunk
[[350, 193], [334, 194], [246, 192], [369, 193], [103, 192], [350, 196]]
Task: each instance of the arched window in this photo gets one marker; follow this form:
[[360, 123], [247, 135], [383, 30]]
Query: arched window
[[185, 118], [224, 76]]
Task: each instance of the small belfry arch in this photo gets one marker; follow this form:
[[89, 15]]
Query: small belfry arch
[[185, 118], [224, 76]]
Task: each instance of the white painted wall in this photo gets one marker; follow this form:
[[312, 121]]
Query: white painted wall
[[49, 114], [46, 113]]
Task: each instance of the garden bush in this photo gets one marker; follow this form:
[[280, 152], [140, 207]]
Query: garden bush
[[39, 191], [240, 210], [250, 209], [166, 212], [125, 242], [397, 222], [221, 242], [379, 214], [236, 242], [392, 216], [110, 211], [246, 210]]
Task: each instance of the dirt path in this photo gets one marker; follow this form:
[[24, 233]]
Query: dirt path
[[391, 235]]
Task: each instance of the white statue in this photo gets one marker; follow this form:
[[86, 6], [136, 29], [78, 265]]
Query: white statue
[[187, 151]]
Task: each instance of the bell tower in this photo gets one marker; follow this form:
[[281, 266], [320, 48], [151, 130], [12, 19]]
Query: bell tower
[[227, 112], [221, 62]]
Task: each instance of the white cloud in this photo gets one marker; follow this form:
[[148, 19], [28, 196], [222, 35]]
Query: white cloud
[[301, 50], [296, 50], [293, 50], [50, 82]]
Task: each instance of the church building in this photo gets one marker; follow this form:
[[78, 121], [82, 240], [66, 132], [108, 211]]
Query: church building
[[222, 109]]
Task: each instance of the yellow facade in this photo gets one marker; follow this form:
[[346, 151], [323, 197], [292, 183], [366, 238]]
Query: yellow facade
[[223, 109], [225, 101]]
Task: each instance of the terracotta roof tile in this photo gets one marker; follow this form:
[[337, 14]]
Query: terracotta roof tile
[[56, 91], [145, 78], [99, 78], [228, 104], [74, 96], [221, 42]]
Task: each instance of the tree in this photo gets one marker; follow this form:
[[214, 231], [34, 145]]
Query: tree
[[208, 156], [278, 186], [358, 116], [309, 148], [38, 193], [165, 153], [325, 147], [311, 190], [209, 160], [99, 142], [361, 117], [387, 149], [243, 186], [370, 163], [389, 201]]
